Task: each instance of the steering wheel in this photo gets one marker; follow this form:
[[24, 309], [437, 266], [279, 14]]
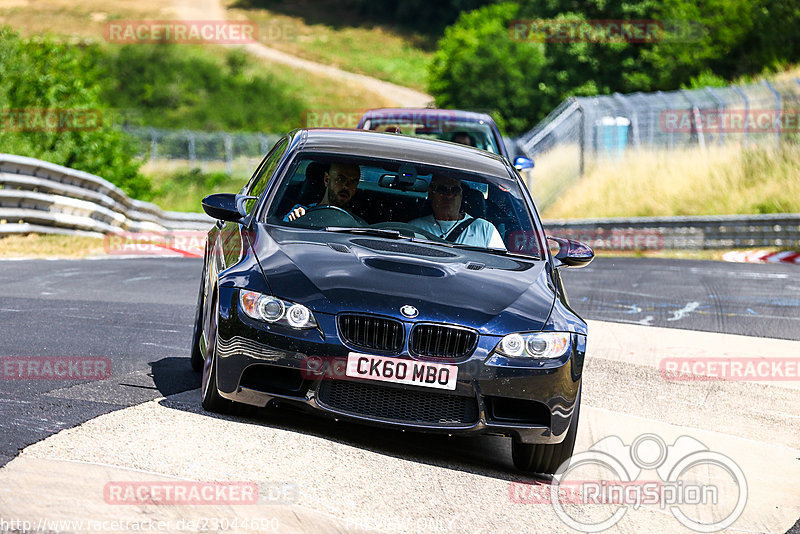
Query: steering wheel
[[334, 211], [406, 229]]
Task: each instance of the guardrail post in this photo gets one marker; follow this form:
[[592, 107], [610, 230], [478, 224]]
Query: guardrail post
[[777, 123]]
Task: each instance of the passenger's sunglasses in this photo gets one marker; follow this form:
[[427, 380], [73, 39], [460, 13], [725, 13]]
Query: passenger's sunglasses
[[444, 190]]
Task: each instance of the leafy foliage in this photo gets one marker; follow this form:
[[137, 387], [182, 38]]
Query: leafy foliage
[[704, 42], [171, 87], [42, 76]]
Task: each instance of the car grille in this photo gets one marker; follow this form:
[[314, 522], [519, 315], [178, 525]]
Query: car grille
[[442, 342], [397, 405], [372, 333]]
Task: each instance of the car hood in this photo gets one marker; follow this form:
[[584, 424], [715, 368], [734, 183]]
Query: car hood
[[331, 273]]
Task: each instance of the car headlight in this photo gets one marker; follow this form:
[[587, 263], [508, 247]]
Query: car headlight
[[536, 345], [274, 310]]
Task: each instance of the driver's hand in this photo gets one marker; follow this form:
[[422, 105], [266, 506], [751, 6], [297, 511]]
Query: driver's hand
[[297, 213]]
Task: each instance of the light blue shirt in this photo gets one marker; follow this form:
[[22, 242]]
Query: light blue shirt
[[481, 233]]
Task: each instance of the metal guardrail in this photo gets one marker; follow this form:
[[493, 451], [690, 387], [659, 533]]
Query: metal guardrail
[[707, 232], [41, 197]]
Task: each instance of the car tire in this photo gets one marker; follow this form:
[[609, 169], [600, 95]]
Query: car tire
[[546, 459], [197, 354], [211, 400]]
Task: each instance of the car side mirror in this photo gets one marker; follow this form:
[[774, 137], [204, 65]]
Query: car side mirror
[[521, 163], [572, 253], [226, 206]]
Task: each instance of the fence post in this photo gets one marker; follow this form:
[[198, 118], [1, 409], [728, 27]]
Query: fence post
[[777, 113], [264, 144], [697, 121], [192, 151], [228, 154], [671, 133], [746, 108], [721, 110], [634, 117], [153, 144], [582, 135]]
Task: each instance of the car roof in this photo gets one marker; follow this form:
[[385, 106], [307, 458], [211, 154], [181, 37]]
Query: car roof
[[467, 116], [400, 147]]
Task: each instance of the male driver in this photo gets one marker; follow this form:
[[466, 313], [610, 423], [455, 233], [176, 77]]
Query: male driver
[[449, 222], [341, 182], [463, 138]]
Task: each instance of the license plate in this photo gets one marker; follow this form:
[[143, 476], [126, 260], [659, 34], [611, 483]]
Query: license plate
[[432, 375]]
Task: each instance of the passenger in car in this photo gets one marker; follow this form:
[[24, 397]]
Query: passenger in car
[[463, 138], [341, 182], [449, 222]]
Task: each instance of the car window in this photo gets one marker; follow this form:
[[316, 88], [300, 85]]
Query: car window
[[399, 196], [263, 176], [444, 128]]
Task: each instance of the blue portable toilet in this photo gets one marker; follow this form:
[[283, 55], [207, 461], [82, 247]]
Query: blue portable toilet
[[612, 136]]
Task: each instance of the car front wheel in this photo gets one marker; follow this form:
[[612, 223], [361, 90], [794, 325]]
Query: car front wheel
[[546, 459], [211, 400]]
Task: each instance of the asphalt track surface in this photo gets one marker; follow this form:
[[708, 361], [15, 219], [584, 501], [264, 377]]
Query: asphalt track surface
[[138, 314]]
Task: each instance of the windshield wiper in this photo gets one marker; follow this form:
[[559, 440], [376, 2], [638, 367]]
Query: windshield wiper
[[499, 252], [378, 232]]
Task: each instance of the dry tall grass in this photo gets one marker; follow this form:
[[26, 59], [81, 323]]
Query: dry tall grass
[[553, 171], [719, 180]]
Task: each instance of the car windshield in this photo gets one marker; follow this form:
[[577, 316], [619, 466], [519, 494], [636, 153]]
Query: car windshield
[[400, 200], [443, 127]]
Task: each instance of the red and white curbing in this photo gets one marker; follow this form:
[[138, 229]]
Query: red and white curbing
[[762, 256]]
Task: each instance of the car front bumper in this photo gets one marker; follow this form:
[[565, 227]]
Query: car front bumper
[[259, 364]]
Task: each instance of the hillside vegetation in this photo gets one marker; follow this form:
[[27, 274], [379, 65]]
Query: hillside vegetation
[[520, 76]]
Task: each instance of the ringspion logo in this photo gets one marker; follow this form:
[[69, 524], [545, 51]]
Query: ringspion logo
[[704, 490]]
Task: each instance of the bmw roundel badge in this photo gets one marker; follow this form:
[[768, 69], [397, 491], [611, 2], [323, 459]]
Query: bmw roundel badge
[[409, 311]]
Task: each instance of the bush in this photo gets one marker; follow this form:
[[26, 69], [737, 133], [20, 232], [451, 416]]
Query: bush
[[479, 64], [41, 74], [479, 67]]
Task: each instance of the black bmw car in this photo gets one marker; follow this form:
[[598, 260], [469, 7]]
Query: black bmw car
[[396, 281]]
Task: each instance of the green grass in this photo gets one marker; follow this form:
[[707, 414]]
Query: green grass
[[376, 51], [182, 189]]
